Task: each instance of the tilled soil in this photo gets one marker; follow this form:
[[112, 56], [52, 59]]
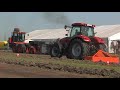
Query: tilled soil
[[65, 68], [18, 71], [53, 69]]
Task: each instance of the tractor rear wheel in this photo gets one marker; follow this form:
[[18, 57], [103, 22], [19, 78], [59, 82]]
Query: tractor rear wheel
[[78, 49]]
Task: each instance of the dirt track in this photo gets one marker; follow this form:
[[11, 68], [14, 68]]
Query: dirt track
[[43, 66], [18, 71]]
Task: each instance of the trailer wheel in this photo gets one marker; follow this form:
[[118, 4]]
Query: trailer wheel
[[78, 50]]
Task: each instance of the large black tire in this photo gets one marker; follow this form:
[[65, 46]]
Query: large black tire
[[55, 51], [78, 50], [21, 48], [14, 49]]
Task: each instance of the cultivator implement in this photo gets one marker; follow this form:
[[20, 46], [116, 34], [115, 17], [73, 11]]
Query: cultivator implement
[[103, 57]]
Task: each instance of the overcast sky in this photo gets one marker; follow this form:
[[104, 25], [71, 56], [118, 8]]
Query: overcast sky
[[29, 21]]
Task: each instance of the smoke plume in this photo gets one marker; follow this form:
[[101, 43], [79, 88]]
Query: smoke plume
[[56, 18]]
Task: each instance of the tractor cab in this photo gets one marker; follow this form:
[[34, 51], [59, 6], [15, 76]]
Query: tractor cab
[[17, 36], [80, 29]]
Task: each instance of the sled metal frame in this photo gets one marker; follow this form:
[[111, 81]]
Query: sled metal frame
[[104, 57]]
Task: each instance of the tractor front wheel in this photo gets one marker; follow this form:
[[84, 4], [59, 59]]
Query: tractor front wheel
[[14, 49], [21, 48], [55, 51]]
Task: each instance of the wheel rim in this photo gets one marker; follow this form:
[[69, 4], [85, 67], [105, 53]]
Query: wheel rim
[[76, 50], [55, 51]]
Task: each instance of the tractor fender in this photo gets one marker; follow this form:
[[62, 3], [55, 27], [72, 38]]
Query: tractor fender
[[83, 38], [99, 40]]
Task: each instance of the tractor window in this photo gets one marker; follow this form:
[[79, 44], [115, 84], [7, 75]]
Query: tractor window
[[87, 31], [84, 31], [15, 34], [90, 31], [15, 37], [75, 31], [21, 37]]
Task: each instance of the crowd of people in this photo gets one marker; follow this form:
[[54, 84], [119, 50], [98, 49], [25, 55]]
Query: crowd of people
[[115, 46]]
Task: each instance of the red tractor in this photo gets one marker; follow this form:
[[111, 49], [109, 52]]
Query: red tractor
[[16, 41], [80, 43], [18, 45]]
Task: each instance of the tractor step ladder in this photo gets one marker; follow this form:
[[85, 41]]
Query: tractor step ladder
[[104, 57]]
